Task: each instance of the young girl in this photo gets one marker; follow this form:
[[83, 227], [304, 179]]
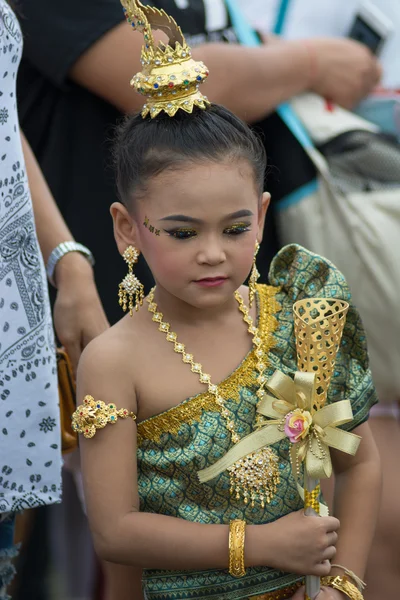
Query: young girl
[[180, 377]]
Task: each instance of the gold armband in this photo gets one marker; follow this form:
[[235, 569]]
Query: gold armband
[[342, 584], [236, 548], [95, 414]]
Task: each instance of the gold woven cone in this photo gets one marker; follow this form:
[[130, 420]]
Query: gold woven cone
[[318, 326]]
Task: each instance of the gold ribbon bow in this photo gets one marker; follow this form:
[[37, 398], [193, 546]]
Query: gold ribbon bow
[[318, 433]]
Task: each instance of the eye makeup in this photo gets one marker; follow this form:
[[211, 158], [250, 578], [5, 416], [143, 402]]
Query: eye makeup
[[237, 228], [184, 233]]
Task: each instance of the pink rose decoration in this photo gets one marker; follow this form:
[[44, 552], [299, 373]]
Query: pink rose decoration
[[297, 424]]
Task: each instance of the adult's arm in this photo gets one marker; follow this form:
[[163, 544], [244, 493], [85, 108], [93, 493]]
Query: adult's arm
[[78, 313], [249, 81]]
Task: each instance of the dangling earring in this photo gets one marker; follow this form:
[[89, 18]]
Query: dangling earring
[[130, 285], [254, 275]]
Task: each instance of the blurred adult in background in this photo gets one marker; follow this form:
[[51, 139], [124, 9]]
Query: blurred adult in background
[[310, 18], [304, 19], [74, 85], [31, 227]]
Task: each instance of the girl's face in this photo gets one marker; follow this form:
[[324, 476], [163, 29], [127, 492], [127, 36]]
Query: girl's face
[[197, 228]]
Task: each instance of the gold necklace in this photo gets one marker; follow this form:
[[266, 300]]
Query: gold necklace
[[256, 476]]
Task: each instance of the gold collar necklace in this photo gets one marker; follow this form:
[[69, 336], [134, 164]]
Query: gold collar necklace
[[256, 476]]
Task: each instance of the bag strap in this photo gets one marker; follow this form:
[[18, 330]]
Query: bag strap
[[248, 37], [281, 17], [244, 32]]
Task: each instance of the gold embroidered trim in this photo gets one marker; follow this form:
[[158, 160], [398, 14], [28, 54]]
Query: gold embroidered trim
[[190, 411]]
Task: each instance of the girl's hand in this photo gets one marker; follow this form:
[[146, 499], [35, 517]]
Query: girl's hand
[[295, 543], [326, 593], [78, 313]]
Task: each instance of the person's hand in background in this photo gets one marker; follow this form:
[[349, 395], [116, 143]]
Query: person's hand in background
[[343, 71], [78, 313]]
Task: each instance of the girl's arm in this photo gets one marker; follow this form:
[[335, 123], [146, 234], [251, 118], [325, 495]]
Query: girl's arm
[[124, 535], [358, 486], [356, 503]]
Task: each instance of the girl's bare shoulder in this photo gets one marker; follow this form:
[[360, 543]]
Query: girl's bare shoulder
[[110, 363]]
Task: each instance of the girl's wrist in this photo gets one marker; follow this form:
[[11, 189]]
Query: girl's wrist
[[255, 548], [250, 546]]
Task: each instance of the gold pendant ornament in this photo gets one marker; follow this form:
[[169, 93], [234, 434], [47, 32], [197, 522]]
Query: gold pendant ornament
[[130, 286], [256, 476], [254, 275]]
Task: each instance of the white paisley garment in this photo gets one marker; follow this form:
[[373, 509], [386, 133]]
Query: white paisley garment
[[30, 457]]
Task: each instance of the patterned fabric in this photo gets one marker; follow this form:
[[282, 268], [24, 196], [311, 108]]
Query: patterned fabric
[[169, 455], [30, 459]]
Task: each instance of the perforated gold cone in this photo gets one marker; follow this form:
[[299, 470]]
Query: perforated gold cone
[[318, 326]]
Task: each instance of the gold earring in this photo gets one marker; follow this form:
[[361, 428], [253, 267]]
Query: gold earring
[[130, 286], [254, 275]]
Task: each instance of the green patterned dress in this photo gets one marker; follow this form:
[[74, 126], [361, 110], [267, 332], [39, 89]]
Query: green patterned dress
[[177, 443]]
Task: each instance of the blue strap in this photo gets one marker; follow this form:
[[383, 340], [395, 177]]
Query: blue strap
[[281, 17], [245, 33], [248, 37], [293, 123], [305, 191]]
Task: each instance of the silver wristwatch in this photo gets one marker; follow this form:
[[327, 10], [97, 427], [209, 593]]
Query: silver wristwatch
[[60, 251]]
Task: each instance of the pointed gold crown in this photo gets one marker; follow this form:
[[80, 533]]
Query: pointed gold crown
[[170, 78], [318, 326]]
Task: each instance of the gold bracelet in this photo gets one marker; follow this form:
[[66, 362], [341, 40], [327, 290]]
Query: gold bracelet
[[95, 414], [236, 548], [342, 584], [356, 580]]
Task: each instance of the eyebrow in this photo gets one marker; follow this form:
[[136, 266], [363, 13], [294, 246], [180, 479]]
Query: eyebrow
[[187, 219]]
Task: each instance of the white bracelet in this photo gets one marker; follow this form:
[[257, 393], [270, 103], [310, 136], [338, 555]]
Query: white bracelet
[[60, 251]]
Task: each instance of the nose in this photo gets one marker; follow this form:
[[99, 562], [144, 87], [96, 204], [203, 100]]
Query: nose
[[212, 253]]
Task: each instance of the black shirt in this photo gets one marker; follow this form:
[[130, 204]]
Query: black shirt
[[70, 129]]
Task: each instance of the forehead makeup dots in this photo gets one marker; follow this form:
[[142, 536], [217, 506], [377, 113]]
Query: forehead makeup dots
[[150, 227]]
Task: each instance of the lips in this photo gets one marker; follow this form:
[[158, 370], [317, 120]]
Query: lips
[[211, 279], [211, 282]]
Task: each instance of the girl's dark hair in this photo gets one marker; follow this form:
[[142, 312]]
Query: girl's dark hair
[[146, 147]]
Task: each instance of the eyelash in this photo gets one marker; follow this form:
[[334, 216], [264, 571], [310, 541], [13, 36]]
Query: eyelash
[[186, 234]]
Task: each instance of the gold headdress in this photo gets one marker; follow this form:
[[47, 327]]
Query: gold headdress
[[170, 78]]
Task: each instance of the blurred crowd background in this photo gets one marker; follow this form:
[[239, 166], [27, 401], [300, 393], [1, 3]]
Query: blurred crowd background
[[73, 87]]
